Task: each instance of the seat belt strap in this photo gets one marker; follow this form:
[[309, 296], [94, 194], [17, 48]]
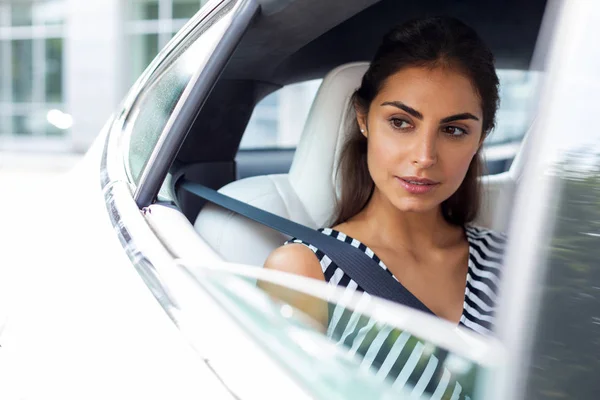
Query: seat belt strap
[[361, 268]]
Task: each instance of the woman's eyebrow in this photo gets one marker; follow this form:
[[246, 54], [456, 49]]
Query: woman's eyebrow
[[418, 115], [402, 106], [458, 117]]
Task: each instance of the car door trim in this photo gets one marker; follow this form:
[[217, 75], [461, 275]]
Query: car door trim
[[188, 106]]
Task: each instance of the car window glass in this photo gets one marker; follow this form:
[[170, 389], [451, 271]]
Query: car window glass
[[157, 101], [518, 91], [565, 355], [278, 119], [364, 353]]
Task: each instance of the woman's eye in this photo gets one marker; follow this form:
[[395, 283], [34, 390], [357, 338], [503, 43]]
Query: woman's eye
[[454, 131], [399, 123]]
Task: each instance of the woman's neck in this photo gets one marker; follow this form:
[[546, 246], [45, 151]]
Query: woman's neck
[[384, 224]]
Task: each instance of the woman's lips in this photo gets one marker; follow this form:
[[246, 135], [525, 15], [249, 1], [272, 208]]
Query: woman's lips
[[417, 185]]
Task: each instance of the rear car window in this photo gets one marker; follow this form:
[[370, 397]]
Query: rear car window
[[278, 119], [518, 95]]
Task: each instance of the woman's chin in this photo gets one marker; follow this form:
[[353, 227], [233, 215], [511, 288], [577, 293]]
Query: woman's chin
[[416, 206]]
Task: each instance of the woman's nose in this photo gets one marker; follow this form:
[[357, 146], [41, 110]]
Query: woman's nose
[[424, 153]]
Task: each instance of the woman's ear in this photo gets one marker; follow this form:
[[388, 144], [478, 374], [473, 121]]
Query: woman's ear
[[361, 120]]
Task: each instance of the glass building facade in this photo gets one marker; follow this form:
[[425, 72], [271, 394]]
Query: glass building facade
[[32, 101], [150, 24]]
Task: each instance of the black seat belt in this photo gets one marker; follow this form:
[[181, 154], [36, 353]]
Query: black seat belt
[[365, 271]]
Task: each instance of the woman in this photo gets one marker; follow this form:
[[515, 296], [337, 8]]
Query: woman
[[409, 174]]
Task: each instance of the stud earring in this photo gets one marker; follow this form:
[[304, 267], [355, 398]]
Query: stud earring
[[362, 131]]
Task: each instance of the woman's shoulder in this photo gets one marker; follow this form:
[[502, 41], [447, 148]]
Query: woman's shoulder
[[295, 258], [299, 246], [301, 257], [326, 231]]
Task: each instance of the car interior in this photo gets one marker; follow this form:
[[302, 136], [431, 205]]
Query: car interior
[[302, 41]]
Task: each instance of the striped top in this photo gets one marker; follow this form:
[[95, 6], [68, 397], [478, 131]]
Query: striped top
[[396, 355]]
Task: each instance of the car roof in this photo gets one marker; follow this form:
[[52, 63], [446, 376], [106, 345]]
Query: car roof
[[294, 40]]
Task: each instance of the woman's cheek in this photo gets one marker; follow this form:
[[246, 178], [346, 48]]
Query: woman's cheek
[[377, 162], [381, 155]]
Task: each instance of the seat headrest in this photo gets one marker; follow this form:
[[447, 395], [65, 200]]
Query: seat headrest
[[312, 173]]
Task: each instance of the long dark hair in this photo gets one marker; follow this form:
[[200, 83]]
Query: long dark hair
[[431, 42]]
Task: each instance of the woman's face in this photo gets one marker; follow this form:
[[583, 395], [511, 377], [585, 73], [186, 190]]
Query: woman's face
[[423, 129]]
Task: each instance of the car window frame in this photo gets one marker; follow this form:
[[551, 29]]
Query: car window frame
[[158, 74], [189, 104], [115, 164]]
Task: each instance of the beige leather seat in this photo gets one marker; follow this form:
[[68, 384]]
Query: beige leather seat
[[307, 193]]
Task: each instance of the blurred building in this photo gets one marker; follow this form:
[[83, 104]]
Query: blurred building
[[66, 64]]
